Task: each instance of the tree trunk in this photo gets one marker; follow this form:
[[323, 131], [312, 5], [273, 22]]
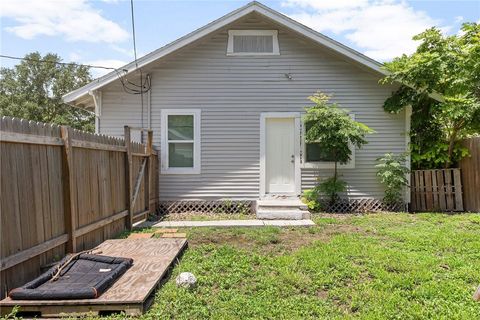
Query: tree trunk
[[334, 194], [451, 144]]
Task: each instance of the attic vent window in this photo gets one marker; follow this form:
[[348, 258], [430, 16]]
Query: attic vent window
[[252, 42]]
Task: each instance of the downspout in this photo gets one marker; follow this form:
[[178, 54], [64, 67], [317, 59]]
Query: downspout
[[97, 100], [149, 106]]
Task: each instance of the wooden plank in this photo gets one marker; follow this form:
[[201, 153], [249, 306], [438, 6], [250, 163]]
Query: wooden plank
[[140, 129], [457, 182], [441, 195], [48, 213], [148, 170], [83, 311], [138, 181], [101, 223], [421, 178], [413, 181], [29, 227], [428, 190], [152, 259], [448, 189], [128, 176], [97, 146], [164, 230], [27, 254], [435, 191], [142, 214], [69, 195], [174, 235], [140, 236], [137, 154], [16, 137], [470, 174]]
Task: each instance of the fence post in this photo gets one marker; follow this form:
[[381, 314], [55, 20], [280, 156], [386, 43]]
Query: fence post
[[70, 209], [149, 171], [128, 176]]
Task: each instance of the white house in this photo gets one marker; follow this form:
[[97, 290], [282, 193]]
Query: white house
[[225, 105]]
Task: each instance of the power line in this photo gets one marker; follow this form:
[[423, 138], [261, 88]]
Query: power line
[[136, 65], [125, 82], [57, 62], [133, 33]]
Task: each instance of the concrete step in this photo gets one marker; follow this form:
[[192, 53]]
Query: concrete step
[[281, 205], [291, 214], [275, 202]]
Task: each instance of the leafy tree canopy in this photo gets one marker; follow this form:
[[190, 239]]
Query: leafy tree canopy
[[449, 66], [34, 88], [333, 128]]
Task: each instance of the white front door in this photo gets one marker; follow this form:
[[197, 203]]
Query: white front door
[[280, 155]]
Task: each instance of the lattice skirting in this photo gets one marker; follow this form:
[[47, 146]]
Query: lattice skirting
[[207, 207], [361, 206]]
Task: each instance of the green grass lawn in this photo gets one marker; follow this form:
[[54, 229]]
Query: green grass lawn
[[378, 266]]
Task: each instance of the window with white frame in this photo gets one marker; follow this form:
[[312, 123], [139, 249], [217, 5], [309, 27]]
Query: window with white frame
[[314, 156], [252, 42], [180, 147]]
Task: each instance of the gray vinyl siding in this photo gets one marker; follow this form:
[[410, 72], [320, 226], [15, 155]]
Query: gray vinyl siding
[[232, 91]]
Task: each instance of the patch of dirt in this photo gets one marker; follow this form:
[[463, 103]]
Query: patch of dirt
[[220, 238], [322, 294], [287, 240]]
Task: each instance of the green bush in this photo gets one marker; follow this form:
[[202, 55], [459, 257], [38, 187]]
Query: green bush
[[392, 173], [328, 188], [331, 187], [311, 198]]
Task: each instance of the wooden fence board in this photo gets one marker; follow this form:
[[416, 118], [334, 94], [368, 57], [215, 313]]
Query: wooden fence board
[[457, 185], [428, 190], [441, 195], [421, 179], [48, 198], [470, 170], [448, 189], [434, 190]]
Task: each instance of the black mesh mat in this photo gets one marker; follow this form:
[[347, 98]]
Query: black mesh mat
[[87, 276]]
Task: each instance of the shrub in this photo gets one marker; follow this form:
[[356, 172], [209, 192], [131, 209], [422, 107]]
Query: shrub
[[331, 187], [311, 199], [392, 173]]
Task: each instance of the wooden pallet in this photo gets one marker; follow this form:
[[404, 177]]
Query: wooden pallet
[[132, 293]]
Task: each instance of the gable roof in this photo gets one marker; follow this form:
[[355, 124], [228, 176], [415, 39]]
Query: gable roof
[[84, 92]]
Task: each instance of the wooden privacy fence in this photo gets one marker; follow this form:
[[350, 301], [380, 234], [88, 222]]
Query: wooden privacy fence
[[470, 167], [64, 190], [436, 190]]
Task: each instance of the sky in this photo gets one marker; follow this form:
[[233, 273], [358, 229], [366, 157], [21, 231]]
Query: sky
[[99, 32]]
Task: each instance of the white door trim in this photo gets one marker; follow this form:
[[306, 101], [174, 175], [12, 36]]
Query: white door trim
[[263, 117]]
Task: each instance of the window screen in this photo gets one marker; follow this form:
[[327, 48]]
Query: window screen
[[252, 43]]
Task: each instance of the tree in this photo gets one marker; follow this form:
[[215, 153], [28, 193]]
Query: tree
[[445, 65], [34, 88], [335, 131]]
